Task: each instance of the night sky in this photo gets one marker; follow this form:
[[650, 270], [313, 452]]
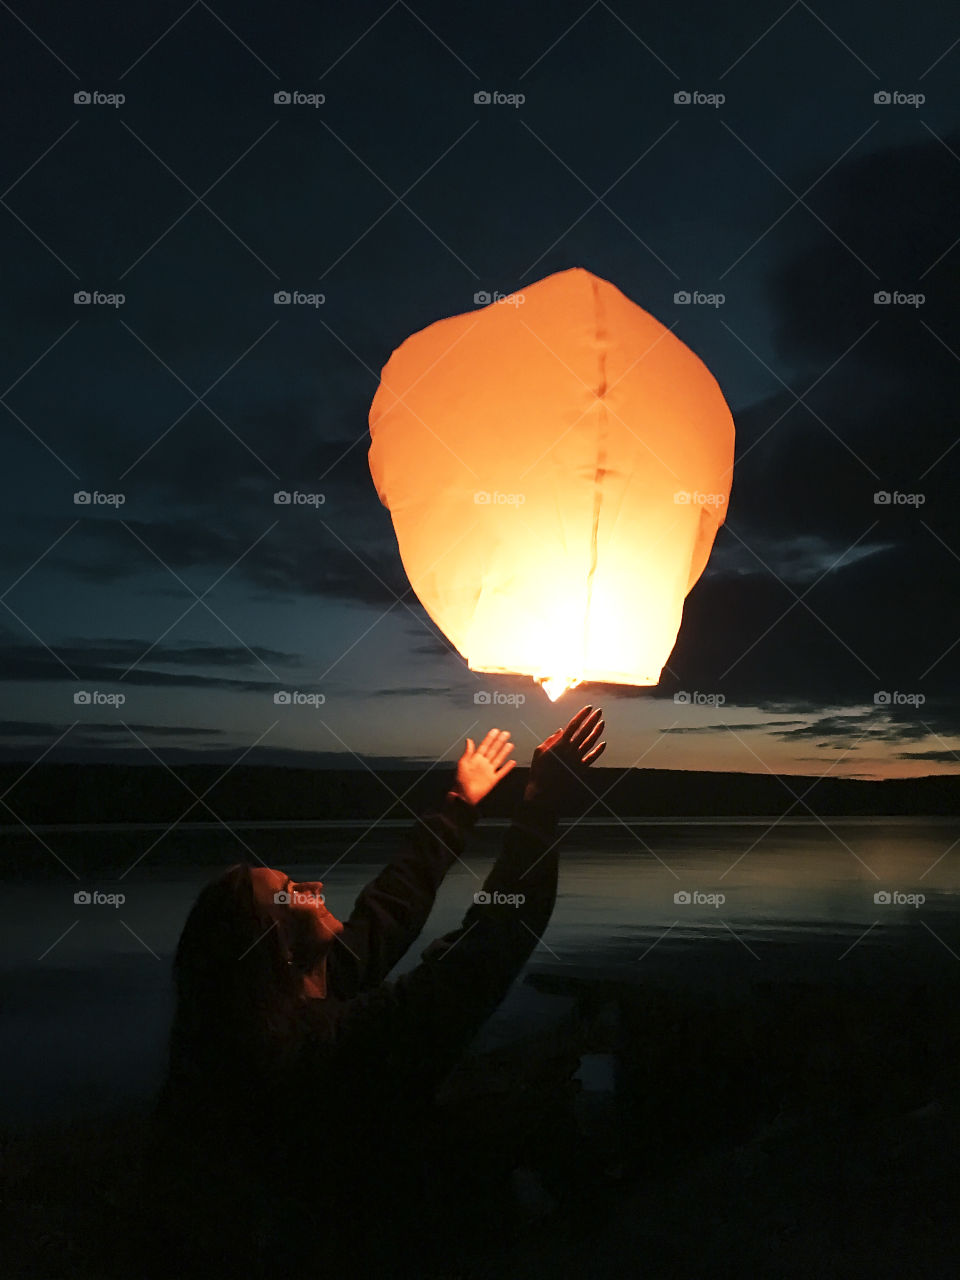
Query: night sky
[[799, 197]]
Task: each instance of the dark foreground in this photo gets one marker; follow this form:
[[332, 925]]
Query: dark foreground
[[798, 1131]]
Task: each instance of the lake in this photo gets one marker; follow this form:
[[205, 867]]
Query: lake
[[86, 987]]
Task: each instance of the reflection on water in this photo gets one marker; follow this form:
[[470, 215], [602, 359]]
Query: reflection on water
[[86, 985]]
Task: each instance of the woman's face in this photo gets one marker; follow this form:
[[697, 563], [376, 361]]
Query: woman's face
[[306, 928]]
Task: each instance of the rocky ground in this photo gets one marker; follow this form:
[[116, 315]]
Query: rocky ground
[[799, 1130]]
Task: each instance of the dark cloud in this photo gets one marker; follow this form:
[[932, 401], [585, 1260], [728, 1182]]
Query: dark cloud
[[106, 749], [753, 726], [879, 724], [94, 731], [434, 647], [880, 583], [108, 662]]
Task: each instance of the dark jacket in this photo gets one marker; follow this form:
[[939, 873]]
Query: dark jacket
[[362, 1129], [416, 1027], [340, 1157]]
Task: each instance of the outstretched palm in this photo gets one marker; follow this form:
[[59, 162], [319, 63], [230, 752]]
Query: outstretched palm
[[567, 751], [479, 769]]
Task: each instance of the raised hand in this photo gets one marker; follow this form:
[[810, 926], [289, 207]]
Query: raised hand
[[563, 756], [479, 769]]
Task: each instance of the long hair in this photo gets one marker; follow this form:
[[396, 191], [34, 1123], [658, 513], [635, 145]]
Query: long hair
[[237, 1001], [218, 1147]]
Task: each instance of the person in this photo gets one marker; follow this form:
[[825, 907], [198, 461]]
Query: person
[[299, 1094]]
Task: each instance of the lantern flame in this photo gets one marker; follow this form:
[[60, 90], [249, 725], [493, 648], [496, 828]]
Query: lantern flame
[[554, 686]]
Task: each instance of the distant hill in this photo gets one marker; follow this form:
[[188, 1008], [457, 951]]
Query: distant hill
[[79, 793]]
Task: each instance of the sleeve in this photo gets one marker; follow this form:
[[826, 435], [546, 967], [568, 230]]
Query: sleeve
[[418, 1026], [392, 909]]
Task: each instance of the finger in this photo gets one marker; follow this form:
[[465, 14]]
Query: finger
[[502, 773], [501, 755], [574, 723], [470, 747], [595, 754], [496, 742], [591, 737], [586, 726], [485, 744]]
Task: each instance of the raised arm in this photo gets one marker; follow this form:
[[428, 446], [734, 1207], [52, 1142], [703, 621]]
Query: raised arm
[[392, 909], [420, 1024]]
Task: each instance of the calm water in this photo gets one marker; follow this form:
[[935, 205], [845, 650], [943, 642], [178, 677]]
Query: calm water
[[86, 987]]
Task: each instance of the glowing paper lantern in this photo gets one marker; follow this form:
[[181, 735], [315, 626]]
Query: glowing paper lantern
[[557, 465]]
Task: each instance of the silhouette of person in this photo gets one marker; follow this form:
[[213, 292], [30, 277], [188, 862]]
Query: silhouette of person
[[298, 1106]]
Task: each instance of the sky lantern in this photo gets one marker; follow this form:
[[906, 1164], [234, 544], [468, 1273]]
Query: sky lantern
[[556, 464]]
